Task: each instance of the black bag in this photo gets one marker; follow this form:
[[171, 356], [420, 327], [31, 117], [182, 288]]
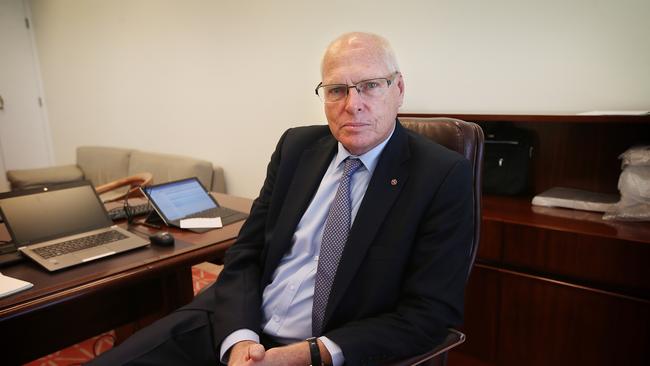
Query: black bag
[[508, 153]]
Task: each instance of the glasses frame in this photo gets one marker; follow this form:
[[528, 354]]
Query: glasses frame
[[389, 80]]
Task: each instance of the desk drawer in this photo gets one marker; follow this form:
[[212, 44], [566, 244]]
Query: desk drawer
[[613, 264]]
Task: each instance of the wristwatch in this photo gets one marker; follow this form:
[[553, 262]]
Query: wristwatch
[[314, 351]]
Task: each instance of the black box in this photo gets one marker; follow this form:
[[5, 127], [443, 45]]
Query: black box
[[508, 154]]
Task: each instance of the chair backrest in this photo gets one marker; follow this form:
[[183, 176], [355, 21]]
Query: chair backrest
[[467, 139]]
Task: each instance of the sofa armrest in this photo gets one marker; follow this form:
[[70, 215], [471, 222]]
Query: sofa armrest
[[30, 178], [218, 180]]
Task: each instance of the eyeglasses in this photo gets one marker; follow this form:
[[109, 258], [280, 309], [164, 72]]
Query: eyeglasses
[[372, 88]]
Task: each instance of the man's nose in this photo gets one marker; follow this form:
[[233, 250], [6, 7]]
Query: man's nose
[[353, 101]]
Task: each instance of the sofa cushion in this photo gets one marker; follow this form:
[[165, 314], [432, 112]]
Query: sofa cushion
[[166, 167], [30, 178], [103, 164]]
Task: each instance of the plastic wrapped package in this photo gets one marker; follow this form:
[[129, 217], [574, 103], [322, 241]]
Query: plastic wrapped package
[[634, 186], [636, 156]]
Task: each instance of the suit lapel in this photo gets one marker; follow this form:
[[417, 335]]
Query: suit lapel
[[307, 177], [386, 183]]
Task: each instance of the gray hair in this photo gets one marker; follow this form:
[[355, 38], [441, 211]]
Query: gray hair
[[373, 41]]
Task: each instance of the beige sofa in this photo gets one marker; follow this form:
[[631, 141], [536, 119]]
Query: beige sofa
[[105, 164]]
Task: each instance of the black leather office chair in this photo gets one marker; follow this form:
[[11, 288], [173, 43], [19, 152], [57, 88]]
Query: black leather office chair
[[467, 139]]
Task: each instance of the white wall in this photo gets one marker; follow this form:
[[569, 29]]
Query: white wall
[[221, 80]]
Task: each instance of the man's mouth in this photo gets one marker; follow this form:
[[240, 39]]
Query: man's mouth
[[354, 125]]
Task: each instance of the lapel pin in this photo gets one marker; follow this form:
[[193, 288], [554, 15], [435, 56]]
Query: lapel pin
[[393, 182]]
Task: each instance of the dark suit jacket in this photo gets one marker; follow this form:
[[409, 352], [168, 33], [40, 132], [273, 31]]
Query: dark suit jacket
[[400, 282]]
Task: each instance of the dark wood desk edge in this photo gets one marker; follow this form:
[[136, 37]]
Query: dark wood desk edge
[[141, 272], [520, 211]]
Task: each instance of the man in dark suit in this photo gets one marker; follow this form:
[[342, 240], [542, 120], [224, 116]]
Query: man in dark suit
[[358, 242]]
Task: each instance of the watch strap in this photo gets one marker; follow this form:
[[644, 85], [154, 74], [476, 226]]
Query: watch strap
[[314, 351]]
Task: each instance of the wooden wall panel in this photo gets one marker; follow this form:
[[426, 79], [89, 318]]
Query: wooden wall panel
[[581, 155], [482, 314], [490, 247]]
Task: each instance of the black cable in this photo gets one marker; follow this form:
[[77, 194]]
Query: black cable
[[130, 217], [129, 210]]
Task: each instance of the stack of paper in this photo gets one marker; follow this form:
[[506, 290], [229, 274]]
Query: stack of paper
[[10, 285], [576, 199], [614, 113]]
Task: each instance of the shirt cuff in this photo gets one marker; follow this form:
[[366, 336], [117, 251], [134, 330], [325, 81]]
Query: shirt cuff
[[234, 337], [335, 351]]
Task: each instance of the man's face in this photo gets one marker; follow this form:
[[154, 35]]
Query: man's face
[[359, 122]]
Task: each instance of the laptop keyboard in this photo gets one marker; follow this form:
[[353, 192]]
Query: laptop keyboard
[[211, 212], [119, 213], [74, 245], [7, 248]]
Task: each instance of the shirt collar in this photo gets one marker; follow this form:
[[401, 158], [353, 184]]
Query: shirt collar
[[369, 159]]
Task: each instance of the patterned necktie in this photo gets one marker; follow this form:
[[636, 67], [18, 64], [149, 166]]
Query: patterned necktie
[[335, 234]]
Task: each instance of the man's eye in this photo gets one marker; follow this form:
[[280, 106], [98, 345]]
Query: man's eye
[[371, 85], [336, 91]]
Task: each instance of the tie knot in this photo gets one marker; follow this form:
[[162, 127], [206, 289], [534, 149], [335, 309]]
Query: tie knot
[[351, 166]]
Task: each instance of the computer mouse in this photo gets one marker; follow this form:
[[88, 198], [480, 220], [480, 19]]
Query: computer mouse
[[162, 238]]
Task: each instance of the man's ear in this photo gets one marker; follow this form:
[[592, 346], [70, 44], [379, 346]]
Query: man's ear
[[400, 87]]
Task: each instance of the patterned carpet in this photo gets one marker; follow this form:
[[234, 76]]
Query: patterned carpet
[[202, 275]]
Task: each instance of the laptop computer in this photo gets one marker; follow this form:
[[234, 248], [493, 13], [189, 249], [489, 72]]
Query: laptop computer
[[188, 198], [63, 225]]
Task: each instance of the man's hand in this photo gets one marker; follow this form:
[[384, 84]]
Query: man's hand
[[252, 354], [296, 354], [246, 353]]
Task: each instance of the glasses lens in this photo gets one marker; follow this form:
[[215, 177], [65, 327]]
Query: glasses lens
[[333, 93], [373, 88]]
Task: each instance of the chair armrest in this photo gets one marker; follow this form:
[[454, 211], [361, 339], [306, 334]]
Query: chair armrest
[[30, 178], [112, 191], [438, 353]]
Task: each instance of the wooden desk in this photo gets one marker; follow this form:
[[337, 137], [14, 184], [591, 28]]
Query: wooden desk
[[69, 306]]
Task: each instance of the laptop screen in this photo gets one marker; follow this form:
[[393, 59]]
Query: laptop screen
[[179, 199], [38, 215]]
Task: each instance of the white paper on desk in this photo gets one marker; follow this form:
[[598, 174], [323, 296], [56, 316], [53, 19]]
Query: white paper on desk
[[10, 285], [201, 222], [614, 113]]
